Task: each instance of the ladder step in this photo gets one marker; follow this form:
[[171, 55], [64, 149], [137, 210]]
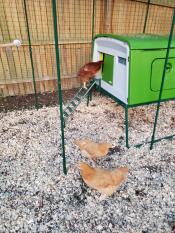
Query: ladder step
[[80, 94], [65, 114], [69, 109], [77, 98], [73, 103]]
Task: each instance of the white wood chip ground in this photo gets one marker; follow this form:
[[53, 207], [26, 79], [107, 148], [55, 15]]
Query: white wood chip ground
[[35, 196]]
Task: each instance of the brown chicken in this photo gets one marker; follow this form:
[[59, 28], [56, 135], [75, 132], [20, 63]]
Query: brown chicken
[[103, 180], [87, 72], [93, 150]]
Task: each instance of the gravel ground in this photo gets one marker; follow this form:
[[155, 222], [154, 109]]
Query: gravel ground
[[35, 196]]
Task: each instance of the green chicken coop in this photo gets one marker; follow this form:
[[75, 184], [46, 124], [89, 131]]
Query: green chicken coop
[[133, 67]]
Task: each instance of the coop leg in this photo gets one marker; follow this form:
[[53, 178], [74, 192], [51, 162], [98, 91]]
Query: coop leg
[[98, 87], [126, 126], [90, 95], [99, 84], [84, 85], [88, 99]]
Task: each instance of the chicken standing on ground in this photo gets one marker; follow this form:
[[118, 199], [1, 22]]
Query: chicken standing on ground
[[87, 72], [93, 150], [103, 180]]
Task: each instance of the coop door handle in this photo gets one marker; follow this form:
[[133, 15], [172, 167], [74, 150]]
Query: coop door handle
[[169, 67]]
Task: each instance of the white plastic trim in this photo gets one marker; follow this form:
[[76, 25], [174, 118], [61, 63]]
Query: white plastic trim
[[116, 48]]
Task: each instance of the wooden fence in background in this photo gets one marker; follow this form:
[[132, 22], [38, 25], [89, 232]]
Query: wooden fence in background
[[75, 20]]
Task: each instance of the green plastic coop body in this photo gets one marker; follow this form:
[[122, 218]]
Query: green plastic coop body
[[133, 67]]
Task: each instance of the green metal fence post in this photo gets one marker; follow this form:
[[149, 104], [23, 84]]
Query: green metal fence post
[[89, 96], [54, 11], [163, 79], [146, 16], [126, 126], [93, 16], [31, 56]]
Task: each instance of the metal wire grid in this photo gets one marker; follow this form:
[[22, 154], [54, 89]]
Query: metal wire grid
[[128, 17], [12, 61], [75, 36], [75, 27], [75, 23], [166, 3], [15, 64]]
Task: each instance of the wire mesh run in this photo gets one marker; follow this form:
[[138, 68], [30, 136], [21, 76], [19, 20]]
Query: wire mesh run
[[78, 22]]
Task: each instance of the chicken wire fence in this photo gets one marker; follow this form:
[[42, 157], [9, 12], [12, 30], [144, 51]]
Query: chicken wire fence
[[78, 22], [41, 25]]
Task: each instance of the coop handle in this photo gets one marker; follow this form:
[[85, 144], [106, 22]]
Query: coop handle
[[169, 67], [16, 43]]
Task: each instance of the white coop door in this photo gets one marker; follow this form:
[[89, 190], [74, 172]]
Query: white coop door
[[120, 51], [120, 78]]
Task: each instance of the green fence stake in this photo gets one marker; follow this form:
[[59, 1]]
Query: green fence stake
[[146, 16], [89, 96], [31, 56], [93, 18], [163, 79], [126, 126], [54, 12]]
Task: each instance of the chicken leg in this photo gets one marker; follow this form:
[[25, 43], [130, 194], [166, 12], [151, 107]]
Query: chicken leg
[[84, 85]]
